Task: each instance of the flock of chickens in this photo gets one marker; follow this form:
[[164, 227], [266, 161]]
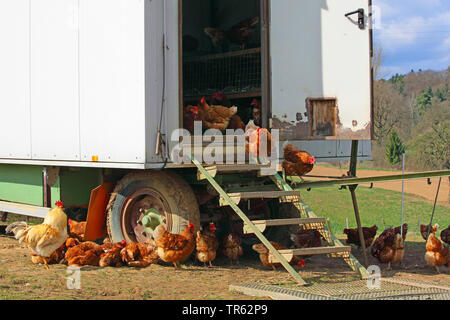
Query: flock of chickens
[[60, 241], [389, 247]]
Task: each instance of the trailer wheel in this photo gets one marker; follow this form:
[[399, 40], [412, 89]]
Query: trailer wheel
[[143, 200]]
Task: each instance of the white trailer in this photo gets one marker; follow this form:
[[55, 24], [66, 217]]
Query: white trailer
[[90, 88], [87, 79]]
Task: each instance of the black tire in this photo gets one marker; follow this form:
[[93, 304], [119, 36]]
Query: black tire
[[180, 199]]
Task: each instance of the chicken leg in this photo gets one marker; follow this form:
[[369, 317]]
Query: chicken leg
[[46, 264]]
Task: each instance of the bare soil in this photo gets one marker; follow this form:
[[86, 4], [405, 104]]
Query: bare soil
[[20, 279], [418, 187]]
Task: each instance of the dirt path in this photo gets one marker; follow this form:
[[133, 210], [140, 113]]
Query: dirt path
[[418, 187]]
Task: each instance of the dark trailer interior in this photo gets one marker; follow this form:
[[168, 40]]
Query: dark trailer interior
[[222, 52]]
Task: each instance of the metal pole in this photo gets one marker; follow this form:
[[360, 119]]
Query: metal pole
[[434, 208], [353, 163], [403, 193]]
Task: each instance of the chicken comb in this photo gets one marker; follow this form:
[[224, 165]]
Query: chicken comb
[[203, 101], [59, 204], [301, 263], [195, 110]]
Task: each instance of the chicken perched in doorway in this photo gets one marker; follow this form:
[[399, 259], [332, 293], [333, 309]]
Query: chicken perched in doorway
[[256, 111], [140, 255], [369, 236], [77, 229], [189, 117], [425, 231], [45, 238], [389, 248], [236, 123], [445, 235], [303, 239], [258, 140], [173, 248], [437, 254], [297, 162], [232, 247], [217, 117], [85, 254], [264, 256], [207, 244], [111, 256], [240, 34]]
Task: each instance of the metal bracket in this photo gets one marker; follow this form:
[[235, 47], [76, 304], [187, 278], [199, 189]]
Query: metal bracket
[[361, 18]]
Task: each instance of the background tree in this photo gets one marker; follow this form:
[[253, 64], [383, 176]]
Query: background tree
[[395, 148]]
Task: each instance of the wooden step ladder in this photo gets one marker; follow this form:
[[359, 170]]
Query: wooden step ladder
[[285, 194]]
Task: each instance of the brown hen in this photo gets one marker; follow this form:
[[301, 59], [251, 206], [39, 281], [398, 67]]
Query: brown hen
[[264, 256], [85, 254], [207, 244], [369, 236], [217, 117], [77, 229], [297, 162], [437, 254], [111, 255], [232, 247], [139, 255], [173, 248]]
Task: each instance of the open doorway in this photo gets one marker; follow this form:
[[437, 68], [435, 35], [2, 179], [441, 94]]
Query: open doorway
[[223, 52]]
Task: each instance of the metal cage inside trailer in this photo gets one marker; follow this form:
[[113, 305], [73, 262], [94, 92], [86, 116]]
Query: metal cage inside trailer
[[94, 89]]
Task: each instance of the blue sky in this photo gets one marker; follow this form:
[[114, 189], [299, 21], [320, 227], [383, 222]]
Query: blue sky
[[414, 34]]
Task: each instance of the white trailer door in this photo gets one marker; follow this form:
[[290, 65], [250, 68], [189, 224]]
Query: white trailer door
[[320, 62], [54, 80], [112, 77], [15, 137]]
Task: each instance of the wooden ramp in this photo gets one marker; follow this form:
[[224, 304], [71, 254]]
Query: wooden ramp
[[307, 219]]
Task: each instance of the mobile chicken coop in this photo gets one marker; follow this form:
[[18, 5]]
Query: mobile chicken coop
[[93, 89]]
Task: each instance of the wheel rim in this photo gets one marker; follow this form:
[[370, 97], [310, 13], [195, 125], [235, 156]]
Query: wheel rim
[[141, 213]]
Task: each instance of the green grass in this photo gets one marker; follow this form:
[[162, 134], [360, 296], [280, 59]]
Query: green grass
[[362, 165], [374, 204]]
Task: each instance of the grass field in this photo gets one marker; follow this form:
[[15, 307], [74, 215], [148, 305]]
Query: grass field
[[374, 204]]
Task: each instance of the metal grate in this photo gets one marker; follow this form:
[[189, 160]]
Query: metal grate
[[355, 290], [234, 73]]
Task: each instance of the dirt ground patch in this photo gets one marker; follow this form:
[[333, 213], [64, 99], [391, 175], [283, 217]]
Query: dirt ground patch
[[418, 187], [20, 279]]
